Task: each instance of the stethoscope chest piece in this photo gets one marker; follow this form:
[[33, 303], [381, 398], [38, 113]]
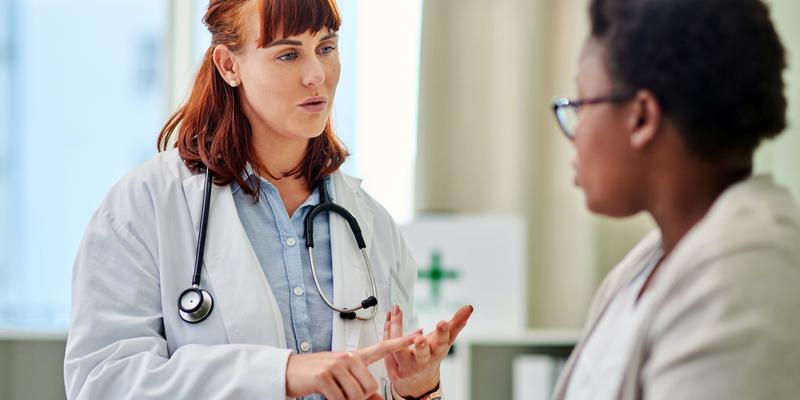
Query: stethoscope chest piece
[[194, 305]]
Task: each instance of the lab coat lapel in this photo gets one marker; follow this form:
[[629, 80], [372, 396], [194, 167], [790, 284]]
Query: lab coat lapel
[[231, 271], [350, 280]]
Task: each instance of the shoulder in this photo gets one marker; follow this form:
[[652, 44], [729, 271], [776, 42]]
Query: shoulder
[[745, 249], [165, 168], [739, 266], [755, 214], [351, 195], [147, 186], [360, 196]]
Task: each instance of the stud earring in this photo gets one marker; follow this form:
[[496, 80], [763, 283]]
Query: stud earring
[[234, 83]]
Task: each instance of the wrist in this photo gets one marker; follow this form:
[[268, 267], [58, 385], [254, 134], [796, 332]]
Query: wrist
[[416, 388], [433, 394]]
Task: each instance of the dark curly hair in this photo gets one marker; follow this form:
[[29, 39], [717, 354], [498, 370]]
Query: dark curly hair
[[715, 66]]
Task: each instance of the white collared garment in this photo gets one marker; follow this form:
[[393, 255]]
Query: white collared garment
[[600, 368], [720, 321], [126, 338]]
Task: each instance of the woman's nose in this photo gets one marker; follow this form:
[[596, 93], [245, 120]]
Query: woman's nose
[[313, 73]]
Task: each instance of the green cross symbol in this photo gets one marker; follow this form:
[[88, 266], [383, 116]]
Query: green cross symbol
[[437, 274]]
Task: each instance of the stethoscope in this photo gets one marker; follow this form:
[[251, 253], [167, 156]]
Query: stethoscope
[[195, 303]]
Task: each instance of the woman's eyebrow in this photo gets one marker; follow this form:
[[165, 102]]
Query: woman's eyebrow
[[329, 36], [286, 42], [293, 42]]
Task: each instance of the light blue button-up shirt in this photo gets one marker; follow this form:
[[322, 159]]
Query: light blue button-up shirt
[[280, 245]]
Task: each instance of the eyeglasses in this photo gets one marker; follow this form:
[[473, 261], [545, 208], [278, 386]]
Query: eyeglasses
[[566, 110]]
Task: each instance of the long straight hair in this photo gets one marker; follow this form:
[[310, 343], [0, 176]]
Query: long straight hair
[[212, 130]]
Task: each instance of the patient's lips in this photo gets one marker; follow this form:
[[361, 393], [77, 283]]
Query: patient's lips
[[575, 170]]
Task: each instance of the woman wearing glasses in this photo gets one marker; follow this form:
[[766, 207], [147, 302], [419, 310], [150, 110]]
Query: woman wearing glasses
[[195, 278], [674, 97]]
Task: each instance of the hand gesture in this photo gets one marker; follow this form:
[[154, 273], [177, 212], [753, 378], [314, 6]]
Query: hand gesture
[[415, 371], [341, 375]]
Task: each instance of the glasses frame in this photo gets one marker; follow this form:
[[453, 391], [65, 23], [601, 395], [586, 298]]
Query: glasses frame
[[563, 102]]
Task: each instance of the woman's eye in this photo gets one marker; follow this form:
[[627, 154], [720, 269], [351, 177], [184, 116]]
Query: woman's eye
[[327, 49], [288, 56]]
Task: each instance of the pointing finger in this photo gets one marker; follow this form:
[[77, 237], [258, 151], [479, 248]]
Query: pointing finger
[[378, 351]]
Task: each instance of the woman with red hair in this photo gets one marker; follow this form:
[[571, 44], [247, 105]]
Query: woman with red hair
[[254, 173]]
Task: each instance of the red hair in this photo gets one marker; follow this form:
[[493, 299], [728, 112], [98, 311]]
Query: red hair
[[211, 127]]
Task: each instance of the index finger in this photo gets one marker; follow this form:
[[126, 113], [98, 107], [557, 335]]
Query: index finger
[[380, 350]]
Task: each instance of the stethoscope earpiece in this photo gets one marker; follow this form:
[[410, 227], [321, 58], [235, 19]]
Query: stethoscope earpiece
[[348, 315], [370, 301], [195, 304]]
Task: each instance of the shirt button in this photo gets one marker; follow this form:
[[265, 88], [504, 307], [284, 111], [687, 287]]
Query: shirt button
[[305, 346], [291, 241], [298, 291]]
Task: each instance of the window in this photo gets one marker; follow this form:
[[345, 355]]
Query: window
[[80, 107]]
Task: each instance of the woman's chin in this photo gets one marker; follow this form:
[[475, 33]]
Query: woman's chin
[[611, 209]]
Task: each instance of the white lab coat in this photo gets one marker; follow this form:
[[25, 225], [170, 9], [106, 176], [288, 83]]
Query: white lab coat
[[126, 340]]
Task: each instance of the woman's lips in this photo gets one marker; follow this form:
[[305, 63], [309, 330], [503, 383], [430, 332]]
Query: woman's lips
[[575, 173], [314, 104]]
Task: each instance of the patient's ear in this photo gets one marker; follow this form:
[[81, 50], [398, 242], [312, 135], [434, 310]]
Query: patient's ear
[[645, 119]]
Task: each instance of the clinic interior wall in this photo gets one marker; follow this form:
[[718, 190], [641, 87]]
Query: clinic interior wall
[[31, 368], [488, 142], [779, 156]]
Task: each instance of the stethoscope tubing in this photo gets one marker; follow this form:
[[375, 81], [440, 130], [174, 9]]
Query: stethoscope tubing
[[327, 205], [200, 311], [201, 241], [370, 301]]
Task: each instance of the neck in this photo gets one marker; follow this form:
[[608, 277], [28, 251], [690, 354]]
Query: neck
[[681, 199], [277, 155]]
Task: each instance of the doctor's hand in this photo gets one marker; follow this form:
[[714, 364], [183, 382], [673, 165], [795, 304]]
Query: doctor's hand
[[415, 371], [341, 375]]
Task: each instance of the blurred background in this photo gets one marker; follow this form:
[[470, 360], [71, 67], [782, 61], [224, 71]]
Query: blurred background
[[445, 107]]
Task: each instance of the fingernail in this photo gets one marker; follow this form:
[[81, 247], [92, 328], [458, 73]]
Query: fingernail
[[471, 308], [388, 315], [395, 309], [442, 326]]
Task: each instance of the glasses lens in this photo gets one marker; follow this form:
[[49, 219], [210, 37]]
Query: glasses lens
[[567, 118]]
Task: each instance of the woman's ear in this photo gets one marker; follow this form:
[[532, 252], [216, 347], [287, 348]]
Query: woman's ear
[[645, 120], [226, 64]]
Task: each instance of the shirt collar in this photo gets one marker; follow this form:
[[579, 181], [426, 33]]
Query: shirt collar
[[248, 174]]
